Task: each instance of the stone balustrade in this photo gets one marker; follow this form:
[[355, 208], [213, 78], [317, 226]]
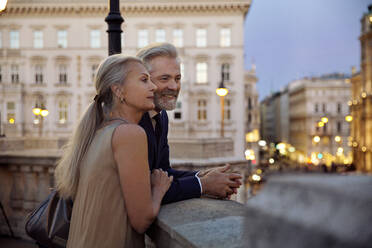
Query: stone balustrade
[[291, 211]]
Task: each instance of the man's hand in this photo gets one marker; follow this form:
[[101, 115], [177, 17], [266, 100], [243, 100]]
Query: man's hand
[[220, 183]]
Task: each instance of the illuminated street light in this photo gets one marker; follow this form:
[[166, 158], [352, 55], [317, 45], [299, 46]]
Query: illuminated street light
[[222, 92], [364, 94], [3, 4], [316, 139], [324, 119], [337, 138], [348, 118], [41, 113], [320, 124]]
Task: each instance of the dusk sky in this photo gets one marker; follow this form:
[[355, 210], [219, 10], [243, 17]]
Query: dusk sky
[[291, 39]]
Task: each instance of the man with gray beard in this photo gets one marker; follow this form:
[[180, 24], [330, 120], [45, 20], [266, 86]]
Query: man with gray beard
[[163, 64]]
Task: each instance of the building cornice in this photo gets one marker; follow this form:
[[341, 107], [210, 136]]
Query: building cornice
[[128, 7]]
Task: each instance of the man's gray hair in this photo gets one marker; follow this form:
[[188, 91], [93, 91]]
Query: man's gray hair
[[154, 50]]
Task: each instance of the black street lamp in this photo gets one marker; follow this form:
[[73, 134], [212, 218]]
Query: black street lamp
[[114, 21]]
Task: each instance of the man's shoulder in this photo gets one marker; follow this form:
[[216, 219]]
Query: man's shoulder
[[164, 115]]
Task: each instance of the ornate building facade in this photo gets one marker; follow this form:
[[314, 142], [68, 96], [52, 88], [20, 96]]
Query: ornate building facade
[[361, 101], [49, 51], [317, 125]]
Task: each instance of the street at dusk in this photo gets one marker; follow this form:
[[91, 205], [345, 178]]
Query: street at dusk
[[239, 123]]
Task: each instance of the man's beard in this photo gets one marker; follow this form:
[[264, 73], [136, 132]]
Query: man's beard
[[162, 102]]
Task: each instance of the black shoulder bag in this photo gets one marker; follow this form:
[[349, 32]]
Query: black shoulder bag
[[49, 223]]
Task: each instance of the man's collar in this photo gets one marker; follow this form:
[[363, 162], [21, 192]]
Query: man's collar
[[152, 113]]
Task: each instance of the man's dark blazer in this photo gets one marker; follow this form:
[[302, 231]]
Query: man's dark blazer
[[185, 185]]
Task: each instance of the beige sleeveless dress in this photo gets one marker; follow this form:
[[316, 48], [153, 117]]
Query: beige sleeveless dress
[[99, 217]]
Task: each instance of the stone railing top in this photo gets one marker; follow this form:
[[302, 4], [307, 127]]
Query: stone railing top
[[290, 211]]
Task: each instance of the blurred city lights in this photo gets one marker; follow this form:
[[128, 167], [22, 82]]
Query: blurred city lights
[[349, 103], [320, 124], [337, 138], [324, 119], [256, 177], [364, 94], [11, 120], [291, 149], [280, 146], [249, 154], [320, 155], [364, 149], [340, 150], [271, 160], [262, 143], [259, 171], [348, 118], [316, 139]]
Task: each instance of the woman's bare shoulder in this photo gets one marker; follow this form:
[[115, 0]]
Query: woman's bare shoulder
[[125, 133]]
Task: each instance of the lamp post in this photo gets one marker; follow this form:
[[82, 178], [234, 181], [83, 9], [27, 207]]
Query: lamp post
[[40, 112], [222, 92], [114, 21]]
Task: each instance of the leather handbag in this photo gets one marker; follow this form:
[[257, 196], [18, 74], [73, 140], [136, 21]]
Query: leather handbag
[[49, 223]]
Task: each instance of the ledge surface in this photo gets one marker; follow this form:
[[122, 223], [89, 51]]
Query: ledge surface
[[290, 211]]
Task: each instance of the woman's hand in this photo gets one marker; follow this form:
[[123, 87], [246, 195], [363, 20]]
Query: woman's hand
[[160, 181]]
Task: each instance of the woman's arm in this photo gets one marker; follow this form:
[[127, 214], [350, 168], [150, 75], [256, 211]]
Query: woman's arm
[[142, 200]]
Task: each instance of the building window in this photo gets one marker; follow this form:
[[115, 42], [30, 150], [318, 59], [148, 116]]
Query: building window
[[249, 103], [249, 118], [38, 39], [324, 107], [178, 37], [225, 37], [62, 111], [62, 38], [339, 127], [316, 108], [95, 38], [178, 111], [62, 74], [182, 71], [225, 72], [38, 74], [159, 35], [93, 72], [10, 112], [339, 108], [227, 109], [14, 73], [201, 37], [14, 39], [201, 73], [1, 39], [1, 75], [122, 40], [143, 38], [202, 110]]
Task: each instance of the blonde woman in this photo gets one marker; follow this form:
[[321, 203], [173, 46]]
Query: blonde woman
[[104, 168]]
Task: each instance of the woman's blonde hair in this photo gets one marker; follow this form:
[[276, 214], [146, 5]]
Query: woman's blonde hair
[[113, 70]]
